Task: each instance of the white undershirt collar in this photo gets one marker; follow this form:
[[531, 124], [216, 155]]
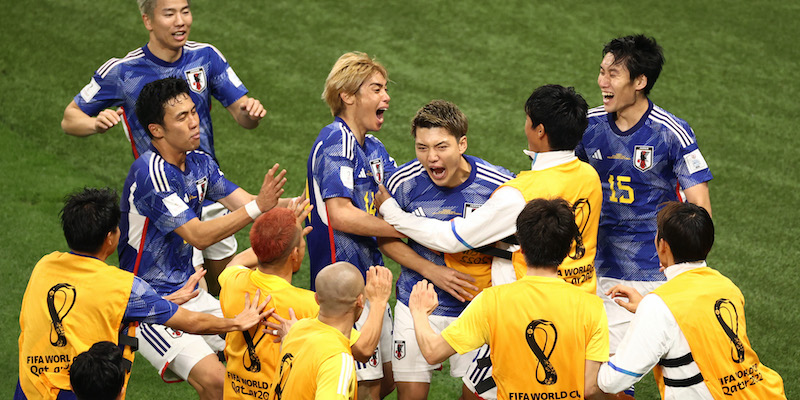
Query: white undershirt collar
[[549, 159], [677, 269]]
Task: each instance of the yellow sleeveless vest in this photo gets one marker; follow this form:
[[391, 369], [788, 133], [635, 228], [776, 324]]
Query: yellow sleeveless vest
[[712, 319], [577, 183], [71, 303], [252, 356]]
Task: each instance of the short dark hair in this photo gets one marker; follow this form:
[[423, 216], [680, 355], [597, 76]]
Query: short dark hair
[[562, 111], [640, 54], [688, 230], [441, 114], [154, 96], [88, 217], [546, 230], [98, 373]]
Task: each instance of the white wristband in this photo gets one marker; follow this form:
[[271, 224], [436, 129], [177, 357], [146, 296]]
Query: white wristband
[[252, 209]]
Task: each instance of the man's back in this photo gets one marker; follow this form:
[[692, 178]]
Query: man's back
[[541, 331], [316, 362], [71, 302], [252, 356]]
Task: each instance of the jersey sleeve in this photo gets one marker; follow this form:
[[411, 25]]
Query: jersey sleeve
[[688, 163], [225, 85], [333, 169], [145, 305], [471, 330], [597, 347], [155, 198], [335, 378], [102, 91]]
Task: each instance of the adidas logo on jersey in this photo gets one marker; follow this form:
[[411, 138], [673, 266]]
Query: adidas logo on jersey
[[362, 174], [419, 212], [597, 155]]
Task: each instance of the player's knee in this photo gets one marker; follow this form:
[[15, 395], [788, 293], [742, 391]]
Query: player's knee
[[208, 378]]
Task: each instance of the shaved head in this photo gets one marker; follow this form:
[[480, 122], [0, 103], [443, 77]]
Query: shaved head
[[338, 287]]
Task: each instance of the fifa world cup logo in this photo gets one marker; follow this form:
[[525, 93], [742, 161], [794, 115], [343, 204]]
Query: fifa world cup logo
[[255, 363], [728, 318], [286, 367], [542, 336], [60, 300]]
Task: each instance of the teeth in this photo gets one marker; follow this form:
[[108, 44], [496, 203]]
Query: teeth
[[606, 94]]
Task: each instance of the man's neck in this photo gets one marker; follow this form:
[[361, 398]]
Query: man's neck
[[358, 132], [102, 255], [543, 272], [343, 323], [281, 271], [462, 173], [163, 53], [628, 117], [170, 155]]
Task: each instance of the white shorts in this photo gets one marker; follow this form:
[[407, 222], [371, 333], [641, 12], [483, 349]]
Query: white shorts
[[478, 378], [373, 368], [174, 353], [408, 364], [619, 319], [220, 250]]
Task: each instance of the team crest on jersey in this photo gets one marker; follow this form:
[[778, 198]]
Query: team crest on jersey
[[399, 349], [173, 332], [377, 169], [373, 361], [643, 157], [469, 208], [196, 77], [202, 187]]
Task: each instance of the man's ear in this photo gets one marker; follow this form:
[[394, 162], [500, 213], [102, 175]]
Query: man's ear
[[147, 23], [156, 130], [348, 98], [640, 82], [462, 144]]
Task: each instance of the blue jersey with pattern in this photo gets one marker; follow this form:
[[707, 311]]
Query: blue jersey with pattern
[[415, 192], [339, 167], [119, 81], [158, 198], [640, 169]]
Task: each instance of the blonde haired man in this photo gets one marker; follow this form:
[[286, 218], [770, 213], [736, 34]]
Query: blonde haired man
[[345, 167]]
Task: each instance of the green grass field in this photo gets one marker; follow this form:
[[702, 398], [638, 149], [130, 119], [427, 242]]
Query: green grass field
[[731, 72]]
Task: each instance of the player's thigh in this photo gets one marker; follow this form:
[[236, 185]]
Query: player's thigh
[[173, 353], [408, 363], [478, 377]]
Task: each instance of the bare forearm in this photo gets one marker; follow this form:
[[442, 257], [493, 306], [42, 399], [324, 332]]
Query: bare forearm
[[699, 195], [428, 340], [76, 122], [201, 323], [345, 217], [202, 234], [370, 332], [404, 255]]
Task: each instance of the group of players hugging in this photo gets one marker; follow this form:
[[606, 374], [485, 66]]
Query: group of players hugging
[[449, 219]]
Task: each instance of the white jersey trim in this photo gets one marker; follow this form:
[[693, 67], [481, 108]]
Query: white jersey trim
[[596, 112], [190, 45], [660, 116], [110, 64], [491, 175], [409, 172], [157, 174], [345, 374]]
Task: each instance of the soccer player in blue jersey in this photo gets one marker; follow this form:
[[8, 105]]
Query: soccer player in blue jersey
[[161, 201], [345, 166], [168, 53], [645, 156], [82, 300], [441, 183]]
